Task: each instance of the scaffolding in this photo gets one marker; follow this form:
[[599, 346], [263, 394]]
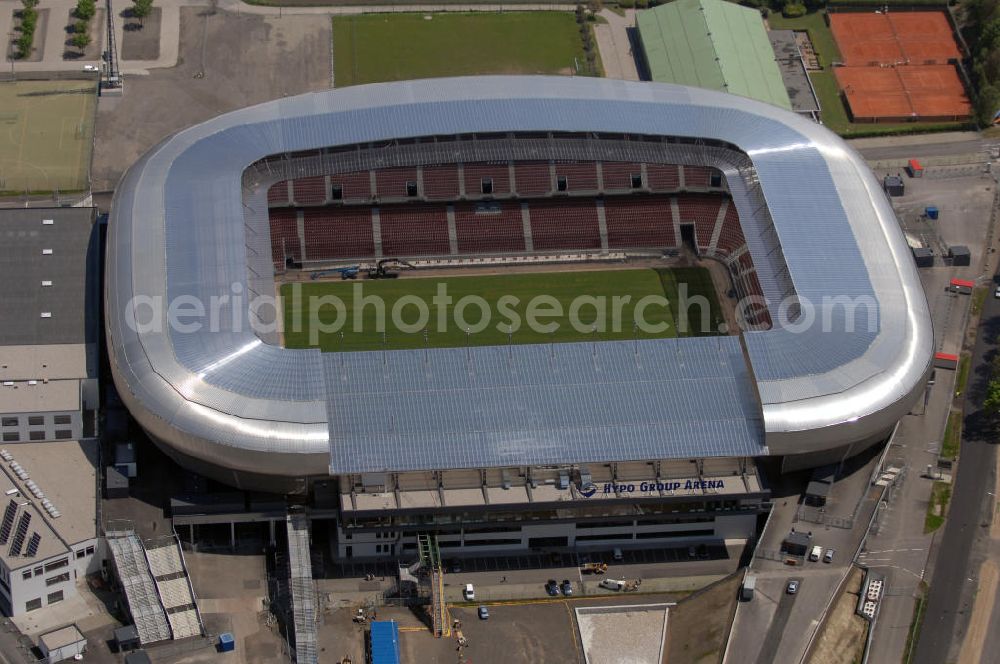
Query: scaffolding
[[303, 590], [430, 559]]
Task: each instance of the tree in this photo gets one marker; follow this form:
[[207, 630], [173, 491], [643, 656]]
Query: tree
[[29, 4], [29, 19], [987, 103], [24, 45], [793, 10], [141, 9], [85, 9], [81, 36], [991, 404]]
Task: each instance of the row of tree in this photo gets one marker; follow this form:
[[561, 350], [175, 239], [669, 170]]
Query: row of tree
[[29, 21], [84, 11], [984, 38], [583, 19]]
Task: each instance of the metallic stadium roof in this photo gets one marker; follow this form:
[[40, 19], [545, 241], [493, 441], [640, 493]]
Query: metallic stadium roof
[[225, 399]]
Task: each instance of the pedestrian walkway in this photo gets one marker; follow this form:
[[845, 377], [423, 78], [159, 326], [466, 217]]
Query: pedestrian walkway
[[615, 46]]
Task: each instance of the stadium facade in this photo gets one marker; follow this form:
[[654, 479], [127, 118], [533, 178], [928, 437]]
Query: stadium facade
[[584, 431]]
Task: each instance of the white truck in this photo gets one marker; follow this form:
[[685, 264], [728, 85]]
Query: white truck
[[816, 553]]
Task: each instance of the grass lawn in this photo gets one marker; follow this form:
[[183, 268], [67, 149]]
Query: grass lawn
[[940, 495], [405, 328], [916, 622], [396, 47], [962, 376], [952, 436], [46, 134], [832, 109]]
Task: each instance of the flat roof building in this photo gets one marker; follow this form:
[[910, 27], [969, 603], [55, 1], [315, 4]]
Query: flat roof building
[[712, 44], [48, 522], [62, 644], [48, 324]]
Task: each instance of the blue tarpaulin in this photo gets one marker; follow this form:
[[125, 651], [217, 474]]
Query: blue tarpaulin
[[385, 642]]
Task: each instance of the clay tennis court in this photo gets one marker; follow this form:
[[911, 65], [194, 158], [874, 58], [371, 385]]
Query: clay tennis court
[[899, 94], [914, 38]]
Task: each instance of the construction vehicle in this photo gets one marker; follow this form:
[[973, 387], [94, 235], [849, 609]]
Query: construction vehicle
[[350, 272], [382, 269], [594, 568]]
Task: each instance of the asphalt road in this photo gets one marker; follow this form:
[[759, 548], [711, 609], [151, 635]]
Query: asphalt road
[[951, 595], [769, 649]]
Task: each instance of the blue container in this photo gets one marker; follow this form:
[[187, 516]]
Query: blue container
[[931, 212], [226, 642]]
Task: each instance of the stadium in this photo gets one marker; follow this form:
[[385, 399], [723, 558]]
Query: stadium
[[514, 173]]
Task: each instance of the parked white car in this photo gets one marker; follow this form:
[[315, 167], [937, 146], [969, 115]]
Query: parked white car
[[612, 584], [91, 68]]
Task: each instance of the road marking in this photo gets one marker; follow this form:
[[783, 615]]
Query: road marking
[[573, 630]]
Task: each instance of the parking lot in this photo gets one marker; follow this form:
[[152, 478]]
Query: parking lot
[[542, 630]]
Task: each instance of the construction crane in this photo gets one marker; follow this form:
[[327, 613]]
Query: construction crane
[[382, 269], [350, 272]]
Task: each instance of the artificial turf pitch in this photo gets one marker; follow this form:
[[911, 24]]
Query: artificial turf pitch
[[305, 317], [400, 47]]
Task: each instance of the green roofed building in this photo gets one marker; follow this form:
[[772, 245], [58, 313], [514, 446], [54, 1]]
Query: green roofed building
[[711, 44]]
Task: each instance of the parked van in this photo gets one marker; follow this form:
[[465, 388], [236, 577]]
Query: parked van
[[612, 584], [469, 592], [816, 553], [617, 554]]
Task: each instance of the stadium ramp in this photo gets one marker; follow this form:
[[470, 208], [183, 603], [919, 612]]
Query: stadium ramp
[[303, 589]]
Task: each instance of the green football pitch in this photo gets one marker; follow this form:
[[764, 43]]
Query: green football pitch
[[516, 308], [398, 47], [46, 135]]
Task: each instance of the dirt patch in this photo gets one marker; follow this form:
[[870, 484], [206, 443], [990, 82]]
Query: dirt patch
[[141, 40], [290, 55], [699, 625], [842, 637]]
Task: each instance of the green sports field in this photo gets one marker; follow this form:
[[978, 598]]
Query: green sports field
[[46, 135], [397, 47], [548, 308]]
